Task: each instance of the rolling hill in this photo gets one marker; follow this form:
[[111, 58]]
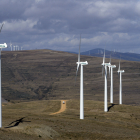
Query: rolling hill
[[34, 82], [47, 74], [32, 121]]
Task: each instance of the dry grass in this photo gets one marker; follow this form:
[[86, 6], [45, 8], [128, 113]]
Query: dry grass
[[47, 74], [121, 122]]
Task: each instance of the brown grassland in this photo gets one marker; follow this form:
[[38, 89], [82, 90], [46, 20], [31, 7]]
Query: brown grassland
[[35, 82], [121, 122]]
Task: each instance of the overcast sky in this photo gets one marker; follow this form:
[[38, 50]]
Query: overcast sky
[[57, 24]]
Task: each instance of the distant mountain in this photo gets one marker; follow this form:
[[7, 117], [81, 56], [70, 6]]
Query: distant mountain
[[98, 52], [72, 52]]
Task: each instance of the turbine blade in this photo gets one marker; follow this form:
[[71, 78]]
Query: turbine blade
[[79, 49], [106, 72], [109, 71], [110, 89], [110, 59], [102, 70], [119, 65], [118, 74], [10, 44], [76, 73], [104, 57], [119, 62], [1, 26], [119, 92]]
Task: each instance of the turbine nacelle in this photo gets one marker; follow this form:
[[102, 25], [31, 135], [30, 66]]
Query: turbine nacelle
[[120, 71], [112, 66], [82, 63], [3, 45], [106, 64]]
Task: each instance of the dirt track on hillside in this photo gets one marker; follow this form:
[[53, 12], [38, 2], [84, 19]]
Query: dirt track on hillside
[[62, 109]]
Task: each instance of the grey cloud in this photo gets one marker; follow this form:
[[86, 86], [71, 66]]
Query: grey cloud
[[13, 9], [57, 24]]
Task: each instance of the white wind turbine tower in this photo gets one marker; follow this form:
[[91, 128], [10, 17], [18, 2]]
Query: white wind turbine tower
[[120, 88], [111, 85], [14, 47], [81, 83], [104, 67], [1, 46]]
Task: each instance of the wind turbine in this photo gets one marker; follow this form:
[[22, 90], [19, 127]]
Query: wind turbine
[[104, 67], [111, 85], [120, 91], [81, 82], [1, 46], [11, 45], [14, 47]]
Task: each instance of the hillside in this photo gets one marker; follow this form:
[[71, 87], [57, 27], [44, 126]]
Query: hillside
[[47, 74], [32, 121]]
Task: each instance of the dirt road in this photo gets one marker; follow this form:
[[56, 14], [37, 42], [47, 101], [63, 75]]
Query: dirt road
[[62, 109]]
